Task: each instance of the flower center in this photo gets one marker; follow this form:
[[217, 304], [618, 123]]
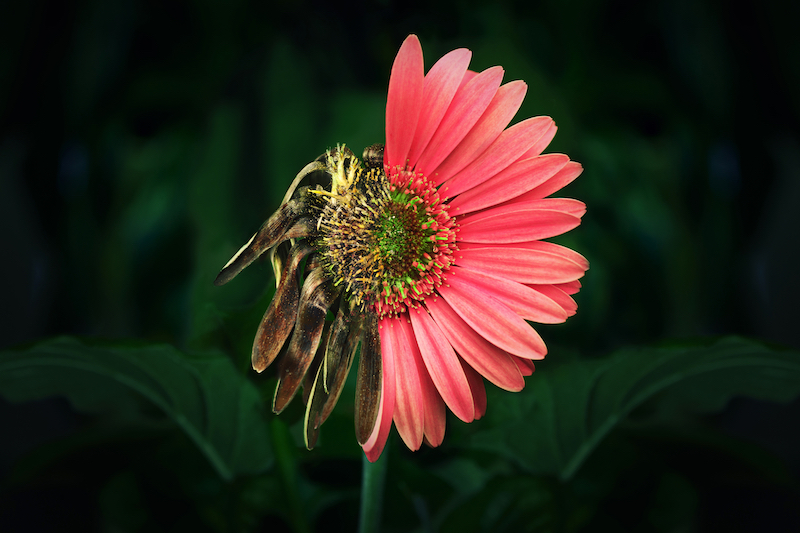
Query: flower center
[[386, 239]]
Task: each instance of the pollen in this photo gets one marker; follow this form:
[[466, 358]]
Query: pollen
[[384, 237]]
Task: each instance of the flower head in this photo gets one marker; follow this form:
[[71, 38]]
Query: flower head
[[429, 252]]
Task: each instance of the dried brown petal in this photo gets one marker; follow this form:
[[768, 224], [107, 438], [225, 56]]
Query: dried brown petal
[[281, 315], [317, 296], [284, 224], [368, 383]]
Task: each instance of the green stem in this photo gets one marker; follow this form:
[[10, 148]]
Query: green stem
[[287, 469], [372, 482]]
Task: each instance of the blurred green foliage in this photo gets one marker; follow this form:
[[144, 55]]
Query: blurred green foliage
[[142, 142]]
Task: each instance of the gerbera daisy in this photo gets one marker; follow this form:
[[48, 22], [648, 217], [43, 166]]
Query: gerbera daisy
[[429, 254]]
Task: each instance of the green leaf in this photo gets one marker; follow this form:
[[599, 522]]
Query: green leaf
[[218, 409], [566, 410]]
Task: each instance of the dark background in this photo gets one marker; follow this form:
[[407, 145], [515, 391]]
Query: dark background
[[141, 142]]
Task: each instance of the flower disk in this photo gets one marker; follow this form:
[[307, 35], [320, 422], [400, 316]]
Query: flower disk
[[386, 242]]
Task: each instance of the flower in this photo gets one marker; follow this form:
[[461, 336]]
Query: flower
[[429, 253]]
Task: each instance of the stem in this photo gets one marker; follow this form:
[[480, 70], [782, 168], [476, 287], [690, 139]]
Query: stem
[[372, 482], [287, 470]]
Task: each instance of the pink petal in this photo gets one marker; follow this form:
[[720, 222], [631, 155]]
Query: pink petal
[[486, 358], [492, 319], [434, 408], [542, 142], [517, 179], [563, 299], [570, 288], [563, 177], [476, 387], [520, 264], [441, 84], [404, 101], [377, 440], [409, 411], [442, 364], [468, 105], [526, 302], [543, 246], [526, 366], [509, 224], [506, 149], [493, 121]]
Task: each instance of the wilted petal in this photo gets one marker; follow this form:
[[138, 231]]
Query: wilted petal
[[273, 231], [317, 296], [369, 382], [281, 315]]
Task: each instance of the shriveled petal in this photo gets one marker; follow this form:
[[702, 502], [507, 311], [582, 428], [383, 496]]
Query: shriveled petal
[[519, 178], [476, 388], [489, 360], [409, 410], [489, 126], [508, 147], [404, 101], [526, 302], [281, 315], [466, 109], [383, 423], [492, 319], [441, 84], [521, 264], [510, 224], [339, 363], [278, 227], [370, 385], [317, 295], [442, 364], [314, 394]]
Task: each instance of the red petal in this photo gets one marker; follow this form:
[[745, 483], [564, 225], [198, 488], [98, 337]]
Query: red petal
[[520, 264], [476, 387], [377, 440], [526, 366], [493, 121], [442, 364], [563, 299], [523, 300], [441, 84], [508, 147], [509, 224], [542, 142], [468, 105], [489, 360], [404, 101], [492, 319], [543, 246], [409, 410], [570, 288], [562, 178], [517, 179]]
